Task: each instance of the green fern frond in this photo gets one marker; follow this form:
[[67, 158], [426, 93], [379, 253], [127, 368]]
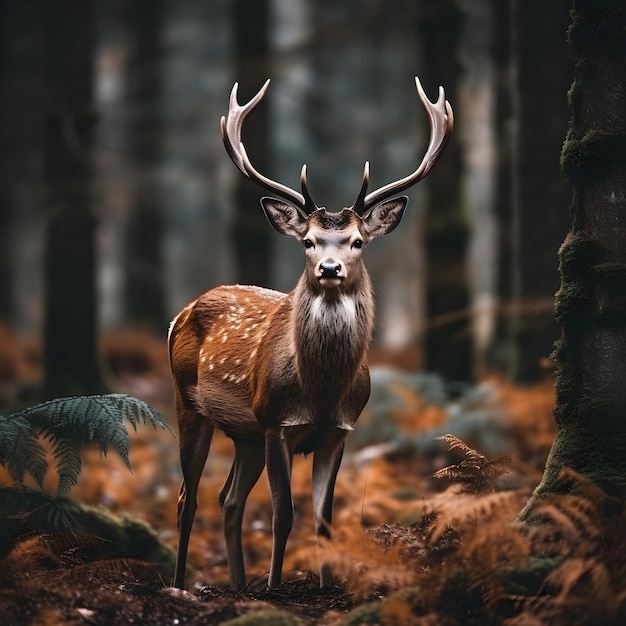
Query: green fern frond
[[20, 451], [70, 424], [66, 452]]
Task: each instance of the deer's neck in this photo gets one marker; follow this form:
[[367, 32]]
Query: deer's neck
[[331, 333]]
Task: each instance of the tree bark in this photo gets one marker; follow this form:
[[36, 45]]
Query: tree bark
[[71, 363], [448, 342], [591, 303]]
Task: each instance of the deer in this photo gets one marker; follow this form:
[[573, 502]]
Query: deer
[[284, 373]]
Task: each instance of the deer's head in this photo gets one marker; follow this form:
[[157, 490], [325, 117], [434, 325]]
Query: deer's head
[[334, 241]]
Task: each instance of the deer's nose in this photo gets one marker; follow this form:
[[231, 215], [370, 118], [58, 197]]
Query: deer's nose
[[330, 269]]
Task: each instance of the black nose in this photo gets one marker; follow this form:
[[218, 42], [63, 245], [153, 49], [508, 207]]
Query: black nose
[[330, 269]]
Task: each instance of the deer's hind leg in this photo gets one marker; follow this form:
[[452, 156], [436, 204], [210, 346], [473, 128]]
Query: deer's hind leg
[[244, 473], [195, 432]]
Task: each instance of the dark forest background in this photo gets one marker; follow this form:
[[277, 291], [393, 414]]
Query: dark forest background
[[118, 203]]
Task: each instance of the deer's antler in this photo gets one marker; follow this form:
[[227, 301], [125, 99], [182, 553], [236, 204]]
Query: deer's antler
[[441, 122], [231, 134]]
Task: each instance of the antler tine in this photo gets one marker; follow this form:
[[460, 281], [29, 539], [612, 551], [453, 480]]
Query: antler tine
[[231, 126], [441, 120], [309, 204], [358, 205]]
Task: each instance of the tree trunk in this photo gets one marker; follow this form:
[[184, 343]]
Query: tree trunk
[[499, 352], [448, 341], [250, 233], [70, 338], [539, 222], [7, 143], [591, 303], [144, 292]]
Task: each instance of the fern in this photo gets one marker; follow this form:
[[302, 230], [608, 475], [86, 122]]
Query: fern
[[20, 451], [476, 473], [70, 424]]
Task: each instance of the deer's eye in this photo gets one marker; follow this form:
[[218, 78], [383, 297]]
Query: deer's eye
[[357, 243], [307, 243]]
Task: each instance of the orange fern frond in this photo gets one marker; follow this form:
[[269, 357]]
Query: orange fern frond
[[476, 473]]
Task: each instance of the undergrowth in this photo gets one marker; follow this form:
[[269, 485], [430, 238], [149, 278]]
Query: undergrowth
[[417, 540]]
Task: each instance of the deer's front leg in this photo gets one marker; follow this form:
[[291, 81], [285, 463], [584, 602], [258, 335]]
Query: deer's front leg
[[326, 463], [278, 458]]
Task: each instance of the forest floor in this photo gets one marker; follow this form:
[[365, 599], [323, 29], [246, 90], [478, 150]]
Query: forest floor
[[413, 542]]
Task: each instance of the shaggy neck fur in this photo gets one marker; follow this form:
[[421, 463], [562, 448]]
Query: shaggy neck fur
[[332, 333]]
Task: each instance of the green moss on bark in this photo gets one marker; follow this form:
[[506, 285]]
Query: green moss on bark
[[591, 302]]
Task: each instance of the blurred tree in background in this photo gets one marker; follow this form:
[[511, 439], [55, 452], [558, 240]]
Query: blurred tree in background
[[539, 194], [71, 363], [251, 49], [7, 85], [448, 342], [144, 288]]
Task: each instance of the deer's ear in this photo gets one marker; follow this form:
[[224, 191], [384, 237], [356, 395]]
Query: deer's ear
[[284, 217], [385, 217]]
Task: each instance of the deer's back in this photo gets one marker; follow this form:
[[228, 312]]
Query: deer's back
[[214, 344]]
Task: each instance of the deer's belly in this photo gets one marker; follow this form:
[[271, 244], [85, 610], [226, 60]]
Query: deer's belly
[[228, 408]]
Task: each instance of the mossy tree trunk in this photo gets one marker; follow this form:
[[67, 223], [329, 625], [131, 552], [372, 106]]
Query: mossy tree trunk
[[448, 346], [591, 303], [71, 364]]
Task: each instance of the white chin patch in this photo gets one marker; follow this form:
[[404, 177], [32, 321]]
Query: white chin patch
[[330, 283]]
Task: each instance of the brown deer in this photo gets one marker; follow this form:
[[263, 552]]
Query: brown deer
[[284, 374]]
